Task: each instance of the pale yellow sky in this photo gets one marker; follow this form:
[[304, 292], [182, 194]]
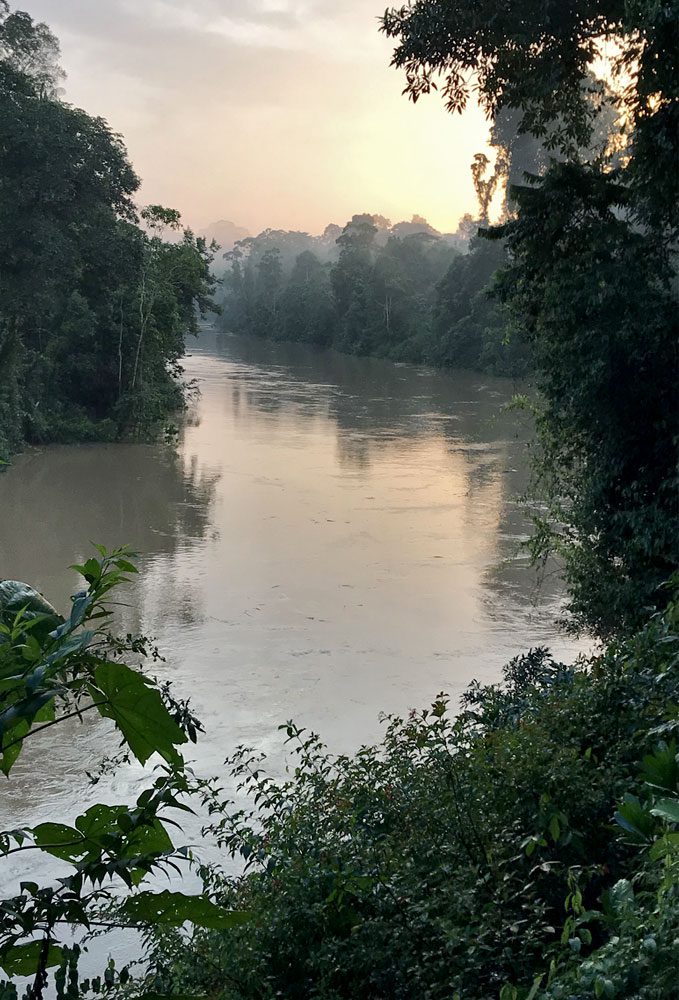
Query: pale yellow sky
[[281, 113]]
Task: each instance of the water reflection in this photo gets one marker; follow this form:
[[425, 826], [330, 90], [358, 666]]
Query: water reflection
[[326, 541], [56, 501], [375, 407]]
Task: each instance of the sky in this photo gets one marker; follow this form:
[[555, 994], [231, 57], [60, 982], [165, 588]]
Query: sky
[[270, 113]]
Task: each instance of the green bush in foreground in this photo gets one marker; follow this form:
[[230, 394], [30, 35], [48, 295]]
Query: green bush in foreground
[[474, 856], [54, 670]]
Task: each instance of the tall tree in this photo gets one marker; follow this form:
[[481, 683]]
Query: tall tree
[[30, 50], [308, 307], [351, 280], [93, 306], [592, 269]]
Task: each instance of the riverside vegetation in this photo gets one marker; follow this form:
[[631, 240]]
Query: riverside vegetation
[[404, 292], [95, 299], [527, 846]]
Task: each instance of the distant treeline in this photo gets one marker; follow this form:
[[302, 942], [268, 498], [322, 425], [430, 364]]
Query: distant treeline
[[405, 292], [95, 300]]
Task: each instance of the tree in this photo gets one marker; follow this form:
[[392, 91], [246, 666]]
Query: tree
[[30, 50], [269, 285], [351, 280], [308, 307], [594, 296], [592, 250], [93, 308]]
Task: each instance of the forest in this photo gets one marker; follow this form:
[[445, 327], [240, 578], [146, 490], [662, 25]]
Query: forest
[[523, 845], [96, 295], [404, 291]]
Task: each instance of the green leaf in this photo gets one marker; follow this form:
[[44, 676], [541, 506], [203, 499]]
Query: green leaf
[[23, 959], [59, 840], [16, 596], [620, 898], [667, 809], [661, 769], [138, 711], [175, 909], [635, 819], [101, 829], [669, 844], [555, 828], [534, 988], [14, 735], [126, 566]]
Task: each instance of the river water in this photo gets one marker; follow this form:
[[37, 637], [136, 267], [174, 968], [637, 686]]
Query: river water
[[327, 539]]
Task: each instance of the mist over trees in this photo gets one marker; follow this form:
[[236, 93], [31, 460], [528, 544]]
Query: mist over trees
[[95, 301], [404, 291]]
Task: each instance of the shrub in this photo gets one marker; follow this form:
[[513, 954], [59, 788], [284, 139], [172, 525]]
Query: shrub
[[461, 856]]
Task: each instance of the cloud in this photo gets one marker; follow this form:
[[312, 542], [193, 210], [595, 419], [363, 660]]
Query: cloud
[[292, 25], [270, 112]]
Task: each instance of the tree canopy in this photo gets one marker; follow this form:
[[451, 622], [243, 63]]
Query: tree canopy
[[95, 301], [592, 261], [404, 291]]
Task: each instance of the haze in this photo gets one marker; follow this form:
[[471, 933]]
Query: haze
[[281, 113]]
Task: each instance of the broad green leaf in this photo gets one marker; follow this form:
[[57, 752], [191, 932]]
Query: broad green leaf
[[535, 987], [16, 722], [15, 736], [138, 712], [100, 829], [555, 828], [175, 909], [61, 841], [669, 844], [15, 596], [23, 959], [667, 809], [661, 769], [126, 566], [101, 822], [635, 819]]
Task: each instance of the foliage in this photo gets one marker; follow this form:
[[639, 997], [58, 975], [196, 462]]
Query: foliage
[[405, 292], [94, 307], [595, 298], [639, 960], [591, 274], [471, 856], [55, 669]]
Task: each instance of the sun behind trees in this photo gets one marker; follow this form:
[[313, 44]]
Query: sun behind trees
[[591, 278], [95, 302]]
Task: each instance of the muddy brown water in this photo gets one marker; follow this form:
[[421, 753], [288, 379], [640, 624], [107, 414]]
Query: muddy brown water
[[327, 539]]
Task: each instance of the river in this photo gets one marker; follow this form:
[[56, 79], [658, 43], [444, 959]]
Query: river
[[327, 539]]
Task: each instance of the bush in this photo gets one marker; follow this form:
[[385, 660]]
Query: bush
[[462, 856]]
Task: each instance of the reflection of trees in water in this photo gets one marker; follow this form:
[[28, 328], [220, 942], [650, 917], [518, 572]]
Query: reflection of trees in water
[[370, 401], [376, 406], [57, 500], [512, 583], [162, 595]]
